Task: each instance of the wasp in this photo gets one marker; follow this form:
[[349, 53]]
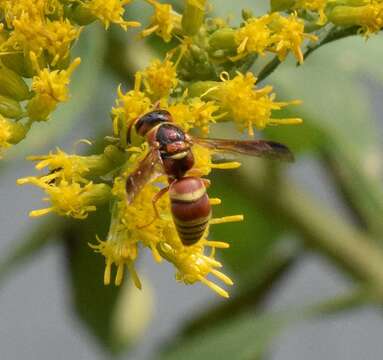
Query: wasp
[[170, 153]]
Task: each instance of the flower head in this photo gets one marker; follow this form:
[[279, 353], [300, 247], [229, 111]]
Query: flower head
[[160, 78], [317, 6], [249, 106], [163, 21], [110, 11], [69, 199], [253, 37], [5, 134], [288, 35], [129, 106]]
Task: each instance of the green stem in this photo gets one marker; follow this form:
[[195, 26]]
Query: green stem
[[323, 229], [268, 69]]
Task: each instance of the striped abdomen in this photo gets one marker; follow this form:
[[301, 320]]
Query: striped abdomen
[[190, 207]]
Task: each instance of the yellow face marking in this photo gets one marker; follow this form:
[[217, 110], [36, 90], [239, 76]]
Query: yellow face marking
[[189, 196], [178, 156]]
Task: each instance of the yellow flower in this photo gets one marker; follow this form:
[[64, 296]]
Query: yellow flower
[[288, 35], [249, 106], [110, 11], [5, 134], [195, 113], [50, 87], [53, 83], [160, 78], [253, 37], [61, 166], [193, 265], [69, 199], [129, 107], [371, 17], [136, 223], [38, 35], [318, 6], [163, 21]]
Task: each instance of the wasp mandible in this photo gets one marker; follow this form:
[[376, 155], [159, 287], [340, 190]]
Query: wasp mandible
[[170, 154]]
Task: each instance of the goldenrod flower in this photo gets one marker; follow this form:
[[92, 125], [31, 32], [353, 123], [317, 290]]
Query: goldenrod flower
[[249, 106], [369, 16], [69, 199], [5, 134], [110, 11], [129, 106], [160, 78], [163, 21], [38, 35], [288, 35], [50, 87], [318, 6], [61, 166], [194, 113], [253, 37]]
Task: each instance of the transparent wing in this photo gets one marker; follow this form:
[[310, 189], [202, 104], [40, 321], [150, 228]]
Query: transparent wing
[[148, 170], [259, 148]]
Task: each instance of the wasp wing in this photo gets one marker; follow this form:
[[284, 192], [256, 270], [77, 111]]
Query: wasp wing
[[259, 148], [148, 170]]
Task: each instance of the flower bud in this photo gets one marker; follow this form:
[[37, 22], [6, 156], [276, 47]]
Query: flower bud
[[10, 108], [40, 107], [369, 17], [193, 16], [13, 85], [81, 15], [223, 39]]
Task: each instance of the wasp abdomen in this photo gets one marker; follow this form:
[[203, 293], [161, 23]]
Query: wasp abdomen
[[190, 207]]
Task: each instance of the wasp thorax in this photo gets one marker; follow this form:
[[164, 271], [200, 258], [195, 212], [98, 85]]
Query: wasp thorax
[[151, 119], [190, 207]]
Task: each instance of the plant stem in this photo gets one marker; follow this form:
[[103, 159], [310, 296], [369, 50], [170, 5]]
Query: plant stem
[[323, 229]]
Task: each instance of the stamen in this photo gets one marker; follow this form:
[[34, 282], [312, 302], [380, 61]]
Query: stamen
[[214, 287], [133, 274], [107, 272], [226, 165], [41, 212], [215, 201], [291, 121], [120, 274], [226, 219], [222, 277], [217, 244]]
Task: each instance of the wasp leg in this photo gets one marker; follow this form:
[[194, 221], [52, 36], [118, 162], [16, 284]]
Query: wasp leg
[[156, 197]]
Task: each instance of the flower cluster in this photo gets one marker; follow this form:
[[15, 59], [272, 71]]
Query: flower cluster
[[203, 80], [36, 39], [366, 15]]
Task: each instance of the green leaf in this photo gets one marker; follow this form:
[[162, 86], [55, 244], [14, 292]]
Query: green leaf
[[247, 337], [101, 307]]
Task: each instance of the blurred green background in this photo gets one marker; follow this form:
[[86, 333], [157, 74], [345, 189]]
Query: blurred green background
[[307, 262]]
